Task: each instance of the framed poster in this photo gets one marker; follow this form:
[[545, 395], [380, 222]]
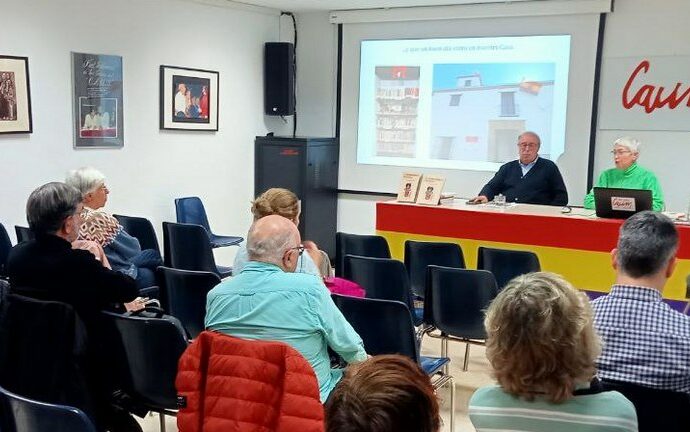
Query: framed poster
[[430, 189], [15, 95], [97, 100], [409, 185], [189, 99]]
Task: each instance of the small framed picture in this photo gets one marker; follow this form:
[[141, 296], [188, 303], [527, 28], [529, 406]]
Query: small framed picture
[[188, 99], [15, 95], [430, 189], [409, 185]]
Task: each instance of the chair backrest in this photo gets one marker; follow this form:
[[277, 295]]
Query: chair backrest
[[657, 410], [21, 414], [142, 229], [506, 264], [385, 326], [42, 351], [419, 255], [361, 245], [381, 278], [456, 300], [5, 246], [151, 348], [187, 247], [190, 210], [23, 233], [184, 296]]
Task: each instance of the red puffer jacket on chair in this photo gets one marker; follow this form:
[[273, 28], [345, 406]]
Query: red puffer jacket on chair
[[237, 385]]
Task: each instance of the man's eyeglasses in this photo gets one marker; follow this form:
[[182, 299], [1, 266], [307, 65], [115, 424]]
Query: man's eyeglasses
[[620, 152], [299, 248]]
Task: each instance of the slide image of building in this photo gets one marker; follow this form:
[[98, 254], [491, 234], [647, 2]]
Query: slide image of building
[[478, 110]]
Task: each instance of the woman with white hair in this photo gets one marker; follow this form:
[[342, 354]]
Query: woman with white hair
[[628, 174], [122, 250]]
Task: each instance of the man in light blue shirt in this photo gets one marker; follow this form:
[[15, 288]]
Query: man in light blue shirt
[[267, 300]]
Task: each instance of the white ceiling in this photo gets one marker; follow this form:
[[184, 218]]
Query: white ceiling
[[328, 5]]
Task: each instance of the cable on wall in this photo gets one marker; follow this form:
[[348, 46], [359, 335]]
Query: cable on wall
[[294, 71]]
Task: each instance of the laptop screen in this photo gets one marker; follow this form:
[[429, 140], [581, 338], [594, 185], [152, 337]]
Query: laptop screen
[[621, 203]]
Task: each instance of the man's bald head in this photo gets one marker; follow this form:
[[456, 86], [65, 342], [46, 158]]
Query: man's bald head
[[270, 237]]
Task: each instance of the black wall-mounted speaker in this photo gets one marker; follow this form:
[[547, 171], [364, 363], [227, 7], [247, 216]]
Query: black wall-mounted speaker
[[279, 78]]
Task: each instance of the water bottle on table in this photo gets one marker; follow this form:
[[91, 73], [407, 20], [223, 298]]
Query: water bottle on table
[[500, 200]]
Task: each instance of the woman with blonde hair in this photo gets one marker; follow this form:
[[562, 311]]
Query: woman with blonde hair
[[282, 202], [542, 346]]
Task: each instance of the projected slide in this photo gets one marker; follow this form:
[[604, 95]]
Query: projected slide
[[461, 103]]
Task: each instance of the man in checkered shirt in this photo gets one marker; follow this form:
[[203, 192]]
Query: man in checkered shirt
[[645, 341]]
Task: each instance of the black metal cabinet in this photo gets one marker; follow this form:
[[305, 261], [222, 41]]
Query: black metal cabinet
[[309, 168]]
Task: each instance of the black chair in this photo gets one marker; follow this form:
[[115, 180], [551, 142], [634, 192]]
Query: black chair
[[506, 264], [23, 233], [382, 278], [386, 328], [43, 351], [5, 246], [657, 410], [142, 229], [20, 414], [455, 304], [190, 210], [184, 296], [187, 247], [148, 349], [361, 245], [419, 255]]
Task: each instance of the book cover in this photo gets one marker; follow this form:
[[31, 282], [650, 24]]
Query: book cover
[[430, 189], [409, 186]]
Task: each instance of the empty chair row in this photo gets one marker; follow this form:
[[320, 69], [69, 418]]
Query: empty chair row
[[454, 298], [386, 327], [504, 264]]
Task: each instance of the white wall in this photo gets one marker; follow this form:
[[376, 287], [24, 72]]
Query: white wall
[[643, 28], [154, 166], [635, 28]]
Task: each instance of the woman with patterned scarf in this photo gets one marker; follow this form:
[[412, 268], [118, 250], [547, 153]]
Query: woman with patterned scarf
[[123, 251]]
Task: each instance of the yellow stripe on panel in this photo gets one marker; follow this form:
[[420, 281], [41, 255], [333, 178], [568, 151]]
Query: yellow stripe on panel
[[586, 270]]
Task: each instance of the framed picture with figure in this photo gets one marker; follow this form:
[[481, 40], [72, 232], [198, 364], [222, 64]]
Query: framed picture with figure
[[188, 99], [15, 95], [98, 101]]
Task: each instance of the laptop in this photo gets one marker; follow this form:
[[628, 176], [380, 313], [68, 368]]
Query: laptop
[[617, 203]]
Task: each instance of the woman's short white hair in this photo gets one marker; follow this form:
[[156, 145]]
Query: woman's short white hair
[[630, 143], [85, 179]]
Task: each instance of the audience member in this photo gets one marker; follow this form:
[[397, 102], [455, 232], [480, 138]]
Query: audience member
[[628, 174], [645, 341], [542, 346], [282, 202], [529, 179], [388, 393], [123, 251], [269, 301], [47, 268]]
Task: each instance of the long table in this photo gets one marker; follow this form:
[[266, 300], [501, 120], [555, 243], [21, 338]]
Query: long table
[[576, 245]]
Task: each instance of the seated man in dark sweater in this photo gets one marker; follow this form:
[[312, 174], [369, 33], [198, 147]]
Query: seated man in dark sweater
[[47, 268], [530, 179]]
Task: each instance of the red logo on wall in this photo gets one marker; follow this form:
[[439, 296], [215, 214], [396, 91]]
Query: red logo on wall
[[289, 152], [652, 97]]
